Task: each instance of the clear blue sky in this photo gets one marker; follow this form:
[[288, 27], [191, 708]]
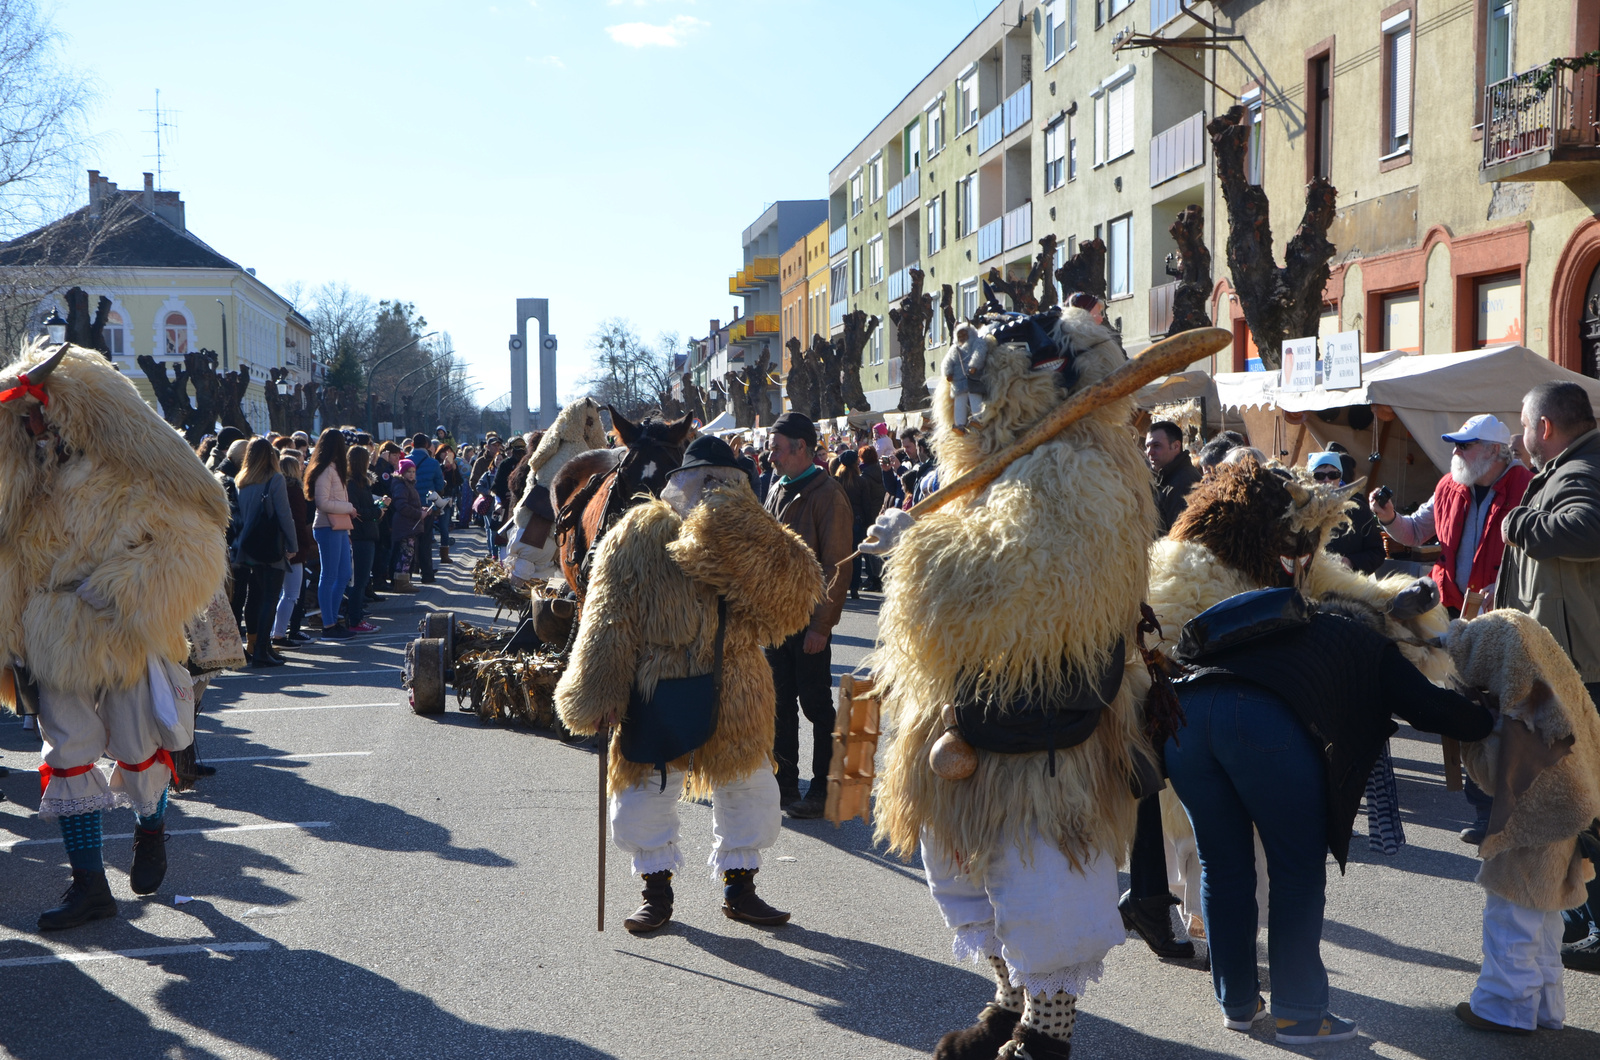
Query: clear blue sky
[[605, 154]]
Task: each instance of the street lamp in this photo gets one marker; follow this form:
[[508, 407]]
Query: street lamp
[[394, 399], [371, 423], [56, 327]]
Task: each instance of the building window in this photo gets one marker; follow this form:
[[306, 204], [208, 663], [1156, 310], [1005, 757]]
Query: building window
[[176, 333], [969, 300], [1499, 310], [1055, 32], [836, 282], [1397, 84], [1072, 24], [1119, 258], [1257, 146], [934, 208], [1072, 147], [116, 334], [967, 205], [1113, 116], [1319, 115], [875, 259], [1055, 154], [935, 121], [1497, 65], [912, 151], [875, 179], [1071, 252], [1118, 6], [967, 101], [855, 193], [876, 355], [855, 270], [1402, 321]]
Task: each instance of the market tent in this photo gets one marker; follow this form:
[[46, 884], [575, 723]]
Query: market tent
[[1197, 386], [723, 421], [1429, 394]]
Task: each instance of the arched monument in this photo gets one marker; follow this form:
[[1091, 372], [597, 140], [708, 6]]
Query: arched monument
[[533, 309]]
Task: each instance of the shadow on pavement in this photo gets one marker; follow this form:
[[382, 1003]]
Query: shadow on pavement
[[1354, 938], [1434, 1033]]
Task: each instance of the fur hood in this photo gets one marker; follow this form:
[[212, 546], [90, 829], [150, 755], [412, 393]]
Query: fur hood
[[1048, 563], [110, 496], [577, 429], [1531, 854], [651, 614]]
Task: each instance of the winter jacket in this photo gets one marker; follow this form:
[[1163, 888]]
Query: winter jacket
[[1362, 541], [366, 509], [1173, 484], [817, 509], [1343, 681], [224, 474], [650, 614], [271, 497], [1551, 568], [430, 476], [872, 492], [1451, 501], [332, 502], [408, 510], [305, 545]]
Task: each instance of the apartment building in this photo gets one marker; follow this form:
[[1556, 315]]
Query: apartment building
[[1036, 122], [1467, 198]]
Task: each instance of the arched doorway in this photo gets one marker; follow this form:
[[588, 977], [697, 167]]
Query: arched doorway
[[1589, 327]]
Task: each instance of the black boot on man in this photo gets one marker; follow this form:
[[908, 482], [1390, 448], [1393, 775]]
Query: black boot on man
[[657, 907], [739, 900], [87, 898], [1151, 918]]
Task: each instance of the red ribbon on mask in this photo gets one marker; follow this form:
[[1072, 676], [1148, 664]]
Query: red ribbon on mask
[[24, 389]]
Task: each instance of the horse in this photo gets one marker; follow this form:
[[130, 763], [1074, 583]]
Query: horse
[[595, 488]]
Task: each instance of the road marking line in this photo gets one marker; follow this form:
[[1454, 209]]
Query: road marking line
[[279, 710], [151, 951], [300, 671], [227, 828], [276, 758]]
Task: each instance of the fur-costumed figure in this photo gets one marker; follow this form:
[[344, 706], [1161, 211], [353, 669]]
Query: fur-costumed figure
[[531, 553], [650, 616], [1016, 599], [111, 538], [1542, 765], [1245, 528]]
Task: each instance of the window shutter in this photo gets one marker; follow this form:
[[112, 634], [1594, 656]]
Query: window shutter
[[1119, 120], [1099, 129], [1400, 118]]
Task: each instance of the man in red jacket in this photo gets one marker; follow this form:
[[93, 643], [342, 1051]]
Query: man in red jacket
[[1465, 512]]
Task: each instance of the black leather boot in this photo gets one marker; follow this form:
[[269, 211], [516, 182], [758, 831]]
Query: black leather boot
[[1152, 919], [149, 859], [88, 898], [983, 1039], [657, 907], [739, 900]]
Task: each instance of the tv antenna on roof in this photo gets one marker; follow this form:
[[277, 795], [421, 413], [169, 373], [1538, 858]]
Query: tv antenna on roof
[[160, 125]]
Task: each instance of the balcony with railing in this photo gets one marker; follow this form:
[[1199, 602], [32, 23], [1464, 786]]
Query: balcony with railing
[[837, 241], [1017, 109], [900, 282], [836, 313], [762, 324], [1178, 149], [904, 193], [1018, 226], [1161, 297], [1553, 135], [991, 239], [991, 130]]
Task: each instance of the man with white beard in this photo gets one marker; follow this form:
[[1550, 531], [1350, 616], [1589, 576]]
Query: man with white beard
[[1465, 513]]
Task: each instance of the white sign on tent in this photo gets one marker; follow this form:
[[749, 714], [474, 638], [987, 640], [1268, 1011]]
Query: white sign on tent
[[1341, 361], [1299, 372]]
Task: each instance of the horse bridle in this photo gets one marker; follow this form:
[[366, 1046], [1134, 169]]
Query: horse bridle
[[571, 515]]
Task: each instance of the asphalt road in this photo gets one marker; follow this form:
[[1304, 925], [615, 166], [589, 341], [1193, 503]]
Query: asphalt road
[[365, 882]]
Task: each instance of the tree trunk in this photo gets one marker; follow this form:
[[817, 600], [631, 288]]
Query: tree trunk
[[910, 320], [1085, 271], [1278, 303], [802, 380], [738, 398], [231, 391], [280, 406], [947, 306], [82, 330], [693, 404], [858, 328], [172, 393], [1193, 272], [207, 384], [830, 370], [1023, 300]]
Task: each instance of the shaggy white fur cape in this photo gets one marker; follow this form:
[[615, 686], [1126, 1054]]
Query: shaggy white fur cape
[[1048, 562]]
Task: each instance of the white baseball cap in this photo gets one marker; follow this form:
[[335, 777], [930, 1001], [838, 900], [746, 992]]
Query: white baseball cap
[[1484, 428]]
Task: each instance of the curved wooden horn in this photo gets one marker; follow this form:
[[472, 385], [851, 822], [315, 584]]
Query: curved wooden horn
[[40, 372]]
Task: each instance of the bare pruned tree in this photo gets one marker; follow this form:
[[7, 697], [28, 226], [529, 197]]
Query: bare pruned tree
[[43, 101], [627, 373]]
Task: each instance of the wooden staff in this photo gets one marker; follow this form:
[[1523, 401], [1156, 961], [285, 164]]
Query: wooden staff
[[1162, 358], [604, 758]]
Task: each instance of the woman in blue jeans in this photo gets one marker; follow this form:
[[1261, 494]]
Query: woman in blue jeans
[[325, 482], [1280, 734]]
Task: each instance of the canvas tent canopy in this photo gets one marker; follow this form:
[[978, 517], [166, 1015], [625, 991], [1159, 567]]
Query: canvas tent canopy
[[722, 421], [1429, 394]]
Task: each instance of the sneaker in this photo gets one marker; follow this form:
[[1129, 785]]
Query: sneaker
[[1583, 955], [336, 633], [1465, 1014], [297, 638], [1249, 1021], [1473, 835], [1328, 1028], [363, 627]]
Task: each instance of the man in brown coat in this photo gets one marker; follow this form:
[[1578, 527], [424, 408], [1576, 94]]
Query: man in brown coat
[[812, 504]]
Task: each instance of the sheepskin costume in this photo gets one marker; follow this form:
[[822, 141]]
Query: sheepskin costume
[[99, 495], [651, 614], [1542, 765], [1241, 524], [577, 429], [1041, 572]]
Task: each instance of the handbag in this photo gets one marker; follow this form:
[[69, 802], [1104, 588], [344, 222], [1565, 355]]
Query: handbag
[[213, 634], [482, 505], [262, 541], [680, 717]]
